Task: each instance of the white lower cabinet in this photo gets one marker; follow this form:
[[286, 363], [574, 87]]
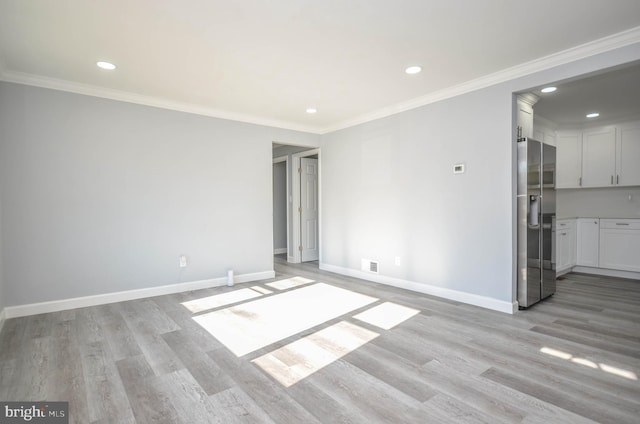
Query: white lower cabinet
[[620, 244], [565, 244], [588, 242]]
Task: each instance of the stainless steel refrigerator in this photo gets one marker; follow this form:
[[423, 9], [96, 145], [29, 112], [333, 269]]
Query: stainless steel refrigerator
[[536, 203]]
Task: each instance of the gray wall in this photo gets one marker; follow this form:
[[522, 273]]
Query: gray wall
[[388, 188], [599, 202], [2, 300], [101, 196], [280, 205]]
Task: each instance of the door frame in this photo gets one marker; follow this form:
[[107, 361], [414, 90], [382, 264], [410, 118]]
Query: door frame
[[281, 159], [296, 257]]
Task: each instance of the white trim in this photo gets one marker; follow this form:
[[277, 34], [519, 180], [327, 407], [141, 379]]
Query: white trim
[[140, 99], [607, 272], [296, 202], [602, 45], [101, 299], [279, 250], [3, 317], [284, 159], [459, 296]]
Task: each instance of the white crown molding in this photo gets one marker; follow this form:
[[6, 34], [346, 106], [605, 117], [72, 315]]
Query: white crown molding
[[129, 97], [582, 51], [102, 299], [459, 296], [528, 98], [602, 45]]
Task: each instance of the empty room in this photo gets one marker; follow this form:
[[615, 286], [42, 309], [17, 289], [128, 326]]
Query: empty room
[[418, 211]]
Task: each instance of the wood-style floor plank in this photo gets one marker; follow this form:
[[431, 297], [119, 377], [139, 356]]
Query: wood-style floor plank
[[573, 358]]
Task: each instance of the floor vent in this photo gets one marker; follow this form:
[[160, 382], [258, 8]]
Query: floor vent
[[369, 266], [373, 267]]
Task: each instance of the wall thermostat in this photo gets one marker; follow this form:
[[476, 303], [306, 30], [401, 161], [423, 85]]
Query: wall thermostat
[[458, 168]]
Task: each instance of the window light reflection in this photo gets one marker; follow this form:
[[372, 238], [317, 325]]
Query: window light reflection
[[387, 315], [301, 358], [289, 283], [581, 361], [249, 326], [218, 300]]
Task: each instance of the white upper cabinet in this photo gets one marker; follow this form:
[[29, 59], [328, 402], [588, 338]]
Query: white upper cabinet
[[525, 104], [628, 155], [568, 159], [599, 157]]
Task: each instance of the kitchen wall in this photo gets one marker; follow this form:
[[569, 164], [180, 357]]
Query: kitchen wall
[[100, 196], [619, 202], [280, 204]]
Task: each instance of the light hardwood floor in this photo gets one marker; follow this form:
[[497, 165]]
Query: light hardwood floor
[[574, 358]]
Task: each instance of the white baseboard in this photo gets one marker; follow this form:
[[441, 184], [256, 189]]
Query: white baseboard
[[101, 299], [279, 250], [607, 272], [459, 296], [3, 313]]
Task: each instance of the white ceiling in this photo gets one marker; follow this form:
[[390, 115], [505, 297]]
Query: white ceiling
[[267, 61], [614, 94]]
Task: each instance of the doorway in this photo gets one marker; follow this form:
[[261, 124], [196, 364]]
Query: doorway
[[302, 203]]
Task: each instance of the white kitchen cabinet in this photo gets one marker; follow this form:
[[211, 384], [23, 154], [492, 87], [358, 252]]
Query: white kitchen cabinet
[[620, 244], [599, 157], [568, 159], [525, 104], [588, 242], [565, 244], [628, 155]]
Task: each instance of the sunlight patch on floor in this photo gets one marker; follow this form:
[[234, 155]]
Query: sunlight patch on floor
[[261, 290], [218, 300], [298, 360], [253, 325], [630, 375], [289, 283], [387, 315]]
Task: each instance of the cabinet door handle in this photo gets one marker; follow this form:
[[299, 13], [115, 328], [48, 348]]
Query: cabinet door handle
[[564, 234], [617, 179], [580, 181], [612, 179], [622, 223]]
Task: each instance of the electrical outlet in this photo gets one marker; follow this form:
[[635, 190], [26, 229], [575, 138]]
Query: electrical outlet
[[183, 261], [398, 261]]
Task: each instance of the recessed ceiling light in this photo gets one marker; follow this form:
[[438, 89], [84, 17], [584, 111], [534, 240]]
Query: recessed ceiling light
[[312, 110], [548, 89], [593, 115], [413, 70], [106, 65]]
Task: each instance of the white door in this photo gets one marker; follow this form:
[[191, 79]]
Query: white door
[[309, 209]]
